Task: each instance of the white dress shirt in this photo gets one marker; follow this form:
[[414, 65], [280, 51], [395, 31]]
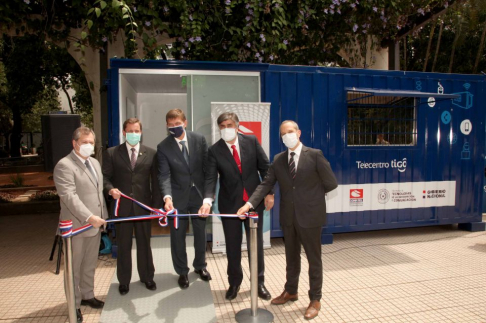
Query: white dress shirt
[[297, 152], [210, 200], [180, 147], [129, 148], [185, 140], [91, 164]]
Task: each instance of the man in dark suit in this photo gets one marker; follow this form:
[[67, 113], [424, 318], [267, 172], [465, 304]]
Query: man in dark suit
[[240, 162], [304, 177], [79, 183], [182, 160], [132, 169]]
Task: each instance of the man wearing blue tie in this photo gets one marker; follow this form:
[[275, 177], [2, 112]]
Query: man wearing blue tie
[[182, 160]]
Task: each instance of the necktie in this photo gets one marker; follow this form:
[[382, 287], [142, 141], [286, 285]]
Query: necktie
[[238, 163], [133, 158], [185, 153], [292, 165], [91, 170]]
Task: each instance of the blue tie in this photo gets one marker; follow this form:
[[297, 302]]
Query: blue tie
[[185, 153]]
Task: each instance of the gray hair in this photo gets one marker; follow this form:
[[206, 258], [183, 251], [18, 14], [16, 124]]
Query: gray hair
[[296, 126], [228, 116], [82, 131]]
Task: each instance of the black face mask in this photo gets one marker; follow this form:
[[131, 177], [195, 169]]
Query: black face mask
[[176, 131]]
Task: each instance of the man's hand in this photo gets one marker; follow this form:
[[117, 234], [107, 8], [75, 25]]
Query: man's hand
[[115, 193], [96, 221], [204, 210], [269, 201], [244, 209], [168, 204]]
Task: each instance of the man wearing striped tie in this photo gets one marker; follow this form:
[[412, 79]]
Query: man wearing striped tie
[[304, 177], [132, 169]]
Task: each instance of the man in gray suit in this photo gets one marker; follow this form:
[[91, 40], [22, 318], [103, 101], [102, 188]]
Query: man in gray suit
[[132, 168], [304, 177], [182, 161], [79, 184]]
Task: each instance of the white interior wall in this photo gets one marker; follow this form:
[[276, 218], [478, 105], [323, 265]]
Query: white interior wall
[[128, 98], [151, 110]]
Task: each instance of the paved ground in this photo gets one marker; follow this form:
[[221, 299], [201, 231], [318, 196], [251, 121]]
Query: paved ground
[[433, 274]]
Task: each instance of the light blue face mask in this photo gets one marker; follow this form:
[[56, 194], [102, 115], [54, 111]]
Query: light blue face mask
[[133, 138]]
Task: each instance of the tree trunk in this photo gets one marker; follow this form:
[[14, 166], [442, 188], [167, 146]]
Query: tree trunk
[[438, 45], [454, 44], [480, 49], [63, 86], [16, 133], [431, 36], [405, 53]]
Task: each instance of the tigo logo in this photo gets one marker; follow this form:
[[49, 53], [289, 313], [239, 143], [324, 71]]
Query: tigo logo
[[356, 193], [251, 128]]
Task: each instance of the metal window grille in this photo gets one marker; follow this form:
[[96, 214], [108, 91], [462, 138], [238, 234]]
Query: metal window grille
[[381, 120]]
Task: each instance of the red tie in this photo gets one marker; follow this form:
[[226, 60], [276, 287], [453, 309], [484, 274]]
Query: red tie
[[238, 163]]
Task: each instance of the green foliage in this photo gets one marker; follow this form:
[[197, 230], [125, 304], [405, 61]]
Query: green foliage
[[5, 113], [17, 180], [82, 99], [274, 31], [48, 101], [464, 22]]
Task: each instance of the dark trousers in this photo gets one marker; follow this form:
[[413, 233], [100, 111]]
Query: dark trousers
[[310, 238], [233, 235], [145, 262], [178, 237]]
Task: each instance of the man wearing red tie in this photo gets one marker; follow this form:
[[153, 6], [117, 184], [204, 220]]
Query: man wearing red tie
[[240, 162]]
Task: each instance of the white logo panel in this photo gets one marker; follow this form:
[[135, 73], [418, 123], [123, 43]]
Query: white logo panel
[[389, 196]]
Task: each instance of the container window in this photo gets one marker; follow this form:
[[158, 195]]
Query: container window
[[381, 120]]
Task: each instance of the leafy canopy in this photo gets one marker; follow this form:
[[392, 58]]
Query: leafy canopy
[[274, 31]]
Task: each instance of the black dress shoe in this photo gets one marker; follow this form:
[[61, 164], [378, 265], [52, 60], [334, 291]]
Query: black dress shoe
[[232, 292], [204, 274], [93, 303], [263, 293], [123, 289], [79, 316], [151, 285], [183, 281]]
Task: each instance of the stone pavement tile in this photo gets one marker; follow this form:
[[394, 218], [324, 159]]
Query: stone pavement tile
[[430, 317], [382, 308], [411, 304], [460, 314], [356, 312]]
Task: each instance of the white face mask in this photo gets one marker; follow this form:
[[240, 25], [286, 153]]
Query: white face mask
[[228, 134], [290, 139], [86, 150]]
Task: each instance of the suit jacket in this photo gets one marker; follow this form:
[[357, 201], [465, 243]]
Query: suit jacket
[[140, 183], [175, 176], [302, 198], [254, 165], [81, 195]]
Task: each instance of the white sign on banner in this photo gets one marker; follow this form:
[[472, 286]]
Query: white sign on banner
[[254, 120], [388, 196]]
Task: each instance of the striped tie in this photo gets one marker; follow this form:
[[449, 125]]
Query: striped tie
[[292, 165], [133, 159]]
